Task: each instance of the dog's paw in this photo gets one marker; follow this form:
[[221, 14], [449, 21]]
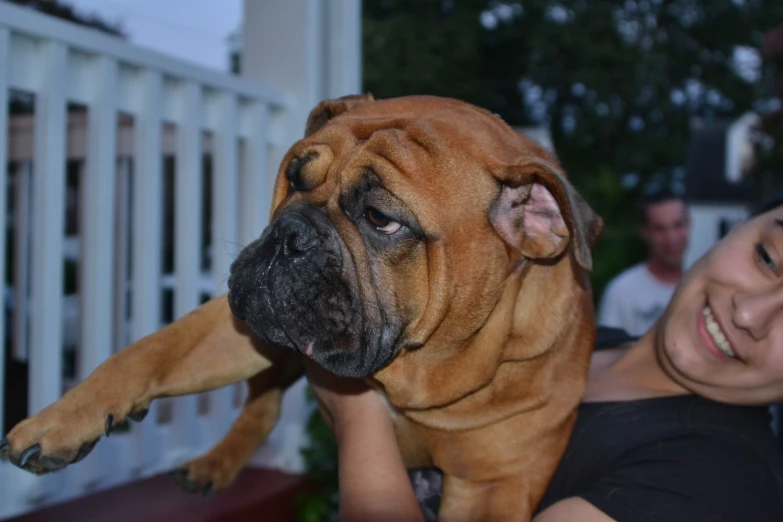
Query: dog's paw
[[58, 436], [41, 454], [206, 475]]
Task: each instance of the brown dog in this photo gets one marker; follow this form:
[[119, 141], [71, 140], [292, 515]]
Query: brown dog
[[418, 242]]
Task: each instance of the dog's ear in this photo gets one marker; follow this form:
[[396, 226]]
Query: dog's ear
[[539, 212], [328, 109]]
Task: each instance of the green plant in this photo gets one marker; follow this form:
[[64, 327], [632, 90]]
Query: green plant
[[320, 503]]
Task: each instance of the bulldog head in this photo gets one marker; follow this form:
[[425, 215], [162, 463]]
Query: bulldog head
[[393, 218]]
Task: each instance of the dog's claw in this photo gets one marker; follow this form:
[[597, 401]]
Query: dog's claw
[[139, 415], [4, 445], [52, 463], [28, 454], [84, 450], [180, 475], [109, 424], [183, 480]]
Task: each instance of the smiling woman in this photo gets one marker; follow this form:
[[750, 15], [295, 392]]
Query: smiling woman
[[674, 427]]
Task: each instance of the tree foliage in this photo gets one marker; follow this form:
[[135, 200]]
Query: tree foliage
[[618, 82], [66, 11]]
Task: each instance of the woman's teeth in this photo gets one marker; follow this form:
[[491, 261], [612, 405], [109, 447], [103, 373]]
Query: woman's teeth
[[717, 334]]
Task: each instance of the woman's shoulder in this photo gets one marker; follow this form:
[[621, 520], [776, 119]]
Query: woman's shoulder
[[679, 456], [717, 453], [680, 415], [694, 431], [746, 429]]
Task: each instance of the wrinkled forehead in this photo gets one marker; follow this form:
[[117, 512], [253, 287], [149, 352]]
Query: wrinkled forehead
[[423, 150], [449, 127], [766, 227], [769, 221]]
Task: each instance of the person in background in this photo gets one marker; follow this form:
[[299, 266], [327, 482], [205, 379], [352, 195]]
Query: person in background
[[637, 297]]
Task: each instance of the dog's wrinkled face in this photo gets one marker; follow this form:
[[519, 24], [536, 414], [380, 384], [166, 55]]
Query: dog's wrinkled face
[[388, 217], [296, 287], [324, 285]]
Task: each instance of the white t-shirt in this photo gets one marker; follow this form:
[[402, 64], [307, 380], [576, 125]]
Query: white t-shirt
[[634, 300]]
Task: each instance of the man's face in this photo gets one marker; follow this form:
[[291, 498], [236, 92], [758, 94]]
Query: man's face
[[666, 232]]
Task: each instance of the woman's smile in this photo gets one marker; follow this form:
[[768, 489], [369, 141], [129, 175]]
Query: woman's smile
[[714, 337]]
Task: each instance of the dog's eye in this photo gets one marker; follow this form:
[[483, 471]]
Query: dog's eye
[[381, 222]]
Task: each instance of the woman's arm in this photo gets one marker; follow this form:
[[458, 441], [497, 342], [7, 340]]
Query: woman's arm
[[373, 482], [571, 509]]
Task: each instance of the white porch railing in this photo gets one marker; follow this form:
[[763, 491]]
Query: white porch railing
[[135, 108]]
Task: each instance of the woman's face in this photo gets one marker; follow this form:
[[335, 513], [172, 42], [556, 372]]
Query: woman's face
[[722, 334]]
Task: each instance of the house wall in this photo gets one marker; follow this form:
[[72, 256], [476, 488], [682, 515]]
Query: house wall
[[709, 223]]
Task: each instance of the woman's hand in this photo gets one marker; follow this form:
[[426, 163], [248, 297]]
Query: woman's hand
[[348, 401], [373, 482]]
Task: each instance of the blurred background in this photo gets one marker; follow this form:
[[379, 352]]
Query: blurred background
[[192, 104]]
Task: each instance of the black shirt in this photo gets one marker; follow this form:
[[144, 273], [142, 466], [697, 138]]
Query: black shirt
[[671, 459]]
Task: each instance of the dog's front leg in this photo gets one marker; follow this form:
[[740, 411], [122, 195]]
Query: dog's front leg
[[205, 350], [217, 469]]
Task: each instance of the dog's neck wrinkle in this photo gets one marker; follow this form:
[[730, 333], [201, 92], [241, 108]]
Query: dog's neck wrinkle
[[526, 340], [438, 305], [422, 379], [523, 374]]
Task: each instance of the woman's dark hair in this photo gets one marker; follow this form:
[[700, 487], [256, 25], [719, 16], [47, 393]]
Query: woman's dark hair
[[767, 205]]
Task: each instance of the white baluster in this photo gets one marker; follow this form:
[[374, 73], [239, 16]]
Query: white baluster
[[97, 205], [225, 229], [48, 206], [121, 197], [48, 216], [187, 241], [225, 193], [256, 182], [97, 223], [4, 62], [146, 238]]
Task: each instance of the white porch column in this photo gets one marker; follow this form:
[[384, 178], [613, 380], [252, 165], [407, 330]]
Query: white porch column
[[344, 48], [310, 50]]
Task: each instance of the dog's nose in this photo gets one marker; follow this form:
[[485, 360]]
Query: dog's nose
[[297, 235]]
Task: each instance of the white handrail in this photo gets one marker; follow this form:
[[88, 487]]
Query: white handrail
[[92, 41]]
